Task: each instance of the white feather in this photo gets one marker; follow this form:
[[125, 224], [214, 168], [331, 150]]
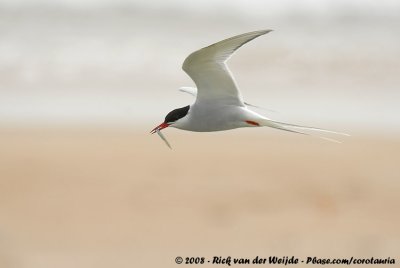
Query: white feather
[[207, 68]]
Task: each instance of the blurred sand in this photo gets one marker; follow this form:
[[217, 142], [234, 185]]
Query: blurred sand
[[102, 197], [121, 198]]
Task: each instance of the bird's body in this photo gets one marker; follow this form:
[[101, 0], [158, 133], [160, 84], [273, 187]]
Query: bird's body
[[211, 117], [219, 104]]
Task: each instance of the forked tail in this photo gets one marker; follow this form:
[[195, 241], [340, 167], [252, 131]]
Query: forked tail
[[287, 126]]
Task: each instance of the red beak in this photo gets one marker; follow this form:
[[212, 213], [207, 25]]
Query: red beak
[[159, 127]]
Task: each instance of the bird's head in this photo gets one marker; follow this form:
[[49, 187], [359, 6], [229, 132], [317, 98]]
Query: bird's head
[[172, 117]]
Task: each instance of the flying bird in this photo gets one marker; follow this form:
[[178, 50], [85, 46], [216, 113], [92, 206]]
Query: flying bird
[[219, 104]]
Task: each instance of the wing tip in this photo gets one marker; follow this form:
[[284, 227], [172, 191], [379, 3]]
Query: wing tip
[[261, 32], [266, 31], [249, 36], [253, 33]]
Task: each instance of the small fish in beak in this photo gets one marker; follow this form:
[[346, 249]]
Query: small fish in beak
[[158, 131]]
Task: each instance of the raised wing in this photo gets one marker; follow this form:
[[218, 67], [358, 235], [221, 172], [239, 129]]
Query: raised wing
[[193, 91], [207, 68]]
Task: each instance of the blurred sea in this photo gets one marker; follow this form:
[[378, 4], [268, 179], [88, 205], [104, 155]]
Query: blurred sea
[[83, 183], [327, 63]]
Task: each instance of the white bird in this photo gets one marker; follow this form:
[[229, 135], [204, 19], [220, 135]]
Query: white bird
[[219, 104]]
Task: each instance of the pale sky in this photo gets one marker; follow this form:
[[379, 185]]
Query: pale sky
[[252, 5], [104, 65]]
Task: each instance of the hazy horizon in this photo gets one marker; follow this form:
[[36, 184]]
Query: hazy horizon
[[84, 183], [119, 62]]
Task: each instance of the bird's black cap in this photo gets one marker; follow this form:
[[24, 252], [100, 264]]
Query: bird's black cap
[[176, 114]]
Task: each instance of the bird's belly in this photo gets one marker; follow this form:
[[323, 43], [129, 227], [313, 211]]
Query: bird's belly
[[209, 126], [214, 119]]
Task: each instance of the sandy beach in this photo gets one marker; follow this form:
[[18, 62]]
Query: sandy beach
[[84, 185], [80, 197]]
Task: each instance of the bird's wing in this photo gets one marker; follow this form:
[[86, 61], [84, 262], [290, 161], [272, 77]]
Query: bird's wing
[[193, 91], [190, 90], [207, 68]]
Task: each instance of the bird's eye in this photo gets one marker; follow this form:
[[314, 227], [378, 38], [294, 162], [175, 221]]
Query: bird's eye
[[176, 114]]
